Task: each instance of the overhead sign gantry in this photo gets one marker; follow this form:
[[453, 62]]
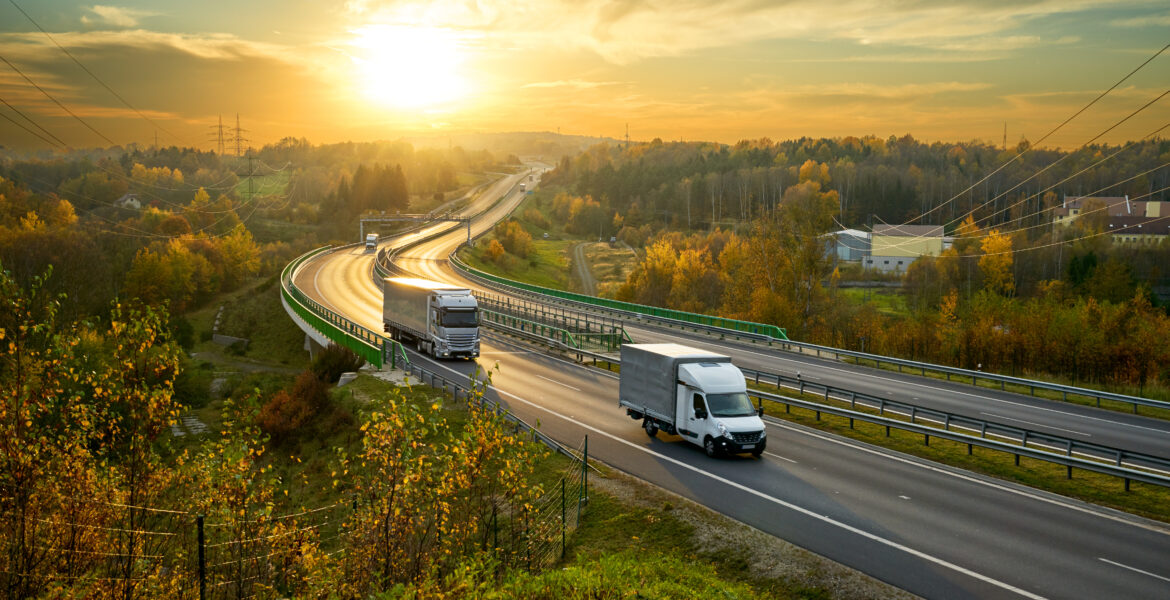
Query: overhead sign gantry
[[399, 218]]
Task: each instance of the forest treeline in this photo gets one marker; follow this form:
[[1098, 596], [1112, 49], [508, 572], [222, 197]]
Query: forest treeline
[[1013, 294], [178, 225], [878, 180]]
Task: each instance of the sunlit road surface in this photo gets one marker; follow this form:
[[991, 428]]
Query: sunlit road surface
[[932, 530]]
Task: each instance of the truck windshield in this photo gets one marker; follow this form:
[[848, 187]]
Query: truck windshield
[[460, 318], [735, 404]]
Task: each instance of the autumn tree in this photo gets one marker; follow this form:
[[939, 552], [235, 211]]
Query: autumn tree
[[996, 263]]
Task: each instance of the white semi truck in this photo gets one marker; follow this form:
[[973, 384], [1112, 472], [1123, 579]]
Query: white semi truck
[[442, 320], [696, 394], [371, 240]]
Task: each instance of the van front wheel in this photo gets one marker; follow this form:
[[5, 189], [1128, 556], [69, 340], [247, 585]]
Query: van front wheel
[[709, 446], [650, 427]]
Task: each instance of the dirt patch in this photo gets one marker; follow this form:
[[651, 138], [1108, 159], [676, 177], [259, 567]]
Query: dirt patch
[[771, 557], [610, 265]]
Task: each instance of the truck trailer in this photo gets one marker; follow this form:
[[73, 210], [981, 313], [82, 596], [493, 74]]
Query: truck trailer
[[696, 394], [441, 320]]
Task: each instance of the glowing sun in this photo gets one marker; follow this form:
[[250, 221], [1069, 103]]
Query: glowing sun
[[408, 67]]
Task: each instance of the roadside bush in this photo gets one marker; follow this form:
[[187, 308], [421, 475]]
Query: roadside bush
[[333, 361], [536, 218], [193, 384], [513, 237], [183, 332], [287, 411], [494, 251]]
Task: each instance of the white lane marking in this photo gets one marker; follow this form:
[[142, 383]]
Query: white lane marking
[[932, 388], [559, 383], [1036, 424], [781, 457], [904, 497], [317, 288], [784, 425], [1157, 528], [739, 486], [1117, 564]]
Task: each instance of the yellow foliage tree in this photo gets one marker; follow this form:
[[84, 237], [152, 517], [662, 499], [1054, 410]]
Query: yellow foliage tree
[[996, 264]]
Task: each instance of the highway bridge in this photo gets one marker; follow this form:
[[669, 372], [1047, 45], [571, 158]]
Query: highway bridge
[[933, 530]]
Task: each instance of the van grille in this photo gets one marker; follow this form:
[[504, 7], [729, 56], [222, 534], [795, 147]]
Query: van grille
[[747, 437]]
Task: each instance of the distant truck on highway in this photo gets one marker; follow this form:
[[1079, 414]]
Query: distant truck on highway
[[441, 320], [696, 394], [521, 187], [371, 240]]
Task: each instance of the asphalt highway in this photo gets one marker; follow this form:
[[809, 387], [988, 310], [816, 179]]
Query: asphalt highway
[[932, 530]]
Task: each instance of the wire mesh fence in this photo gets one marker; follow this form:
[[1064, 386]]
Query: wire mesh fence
[[53, 541]]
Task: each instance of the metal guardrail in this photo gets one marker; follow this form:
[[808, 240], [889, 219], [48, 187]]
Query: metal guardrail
[[949, 421], [976, 376], [579, 328], [1067, 460], [1129, 466], [373, 346], [965, 375]]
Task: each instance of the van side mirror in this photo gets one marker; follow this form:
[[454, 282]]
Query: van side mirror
[[761, 410]]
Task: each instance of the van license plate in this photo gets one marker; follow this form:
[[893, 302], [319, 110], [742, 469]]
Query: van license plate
[[748, 446]]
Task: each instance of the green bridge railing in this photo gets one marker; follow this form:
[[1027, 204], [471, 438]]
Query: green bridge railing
[[653, 311], [371, 345]]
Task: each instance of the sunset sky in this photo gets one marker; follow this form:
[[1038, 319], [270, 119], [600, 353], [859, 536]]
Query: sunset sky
[[694, 70]]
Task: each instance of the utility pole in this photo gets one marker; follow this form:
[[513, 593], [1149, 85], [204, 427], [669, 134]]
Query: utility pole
[[239, 138], [217, 136], [1005, 136]]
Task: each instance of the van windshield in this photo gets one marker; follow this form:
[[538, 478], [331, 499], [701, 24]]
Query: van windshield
[[460, 318], [735, 404]]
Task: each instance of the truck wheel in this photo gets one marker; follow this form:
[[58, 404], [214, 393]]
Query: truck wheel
[[709, 446], [650, 427]]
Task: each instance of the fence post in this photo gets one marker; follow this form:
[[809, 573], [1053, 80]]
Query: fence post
[[562, 518], [584, 479], [202, 559]]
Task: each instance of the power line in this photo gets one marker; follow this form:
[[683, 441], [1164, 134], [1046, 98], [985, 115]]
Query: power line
[[37, 125], [24, 127], [1047, 135], [91, 73], [58, 103], [914, 238]]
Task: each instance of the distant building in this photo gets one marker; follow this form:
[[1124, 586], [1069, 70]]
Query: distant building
[[129, 201], [1129, 221], [894, 247], [1140, 230], [1115, 206], [851, 244]]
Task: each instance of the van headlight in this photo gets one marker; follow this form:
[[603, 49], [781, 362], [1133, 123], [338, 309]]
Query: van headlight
[[722, 429], [764, 433]]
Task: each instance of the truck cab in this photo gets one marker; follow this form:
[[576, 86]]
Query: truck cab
[[454, 325], [714, 411], [371, 241]]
